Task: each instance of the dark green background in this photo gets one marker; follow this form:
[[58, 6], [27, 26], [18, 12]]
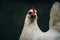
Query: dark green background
[[13, 12]]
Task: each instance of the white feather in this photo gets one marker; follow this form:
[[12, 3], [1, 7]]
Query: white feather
[[31, 31], [55, 16]]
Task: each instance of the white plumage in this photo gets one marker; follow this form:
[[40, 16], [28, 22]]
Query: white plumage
[[31, 30], [55, 16]]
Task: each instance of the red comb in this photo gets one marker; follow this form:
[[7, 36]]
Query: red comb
[[33, 9]]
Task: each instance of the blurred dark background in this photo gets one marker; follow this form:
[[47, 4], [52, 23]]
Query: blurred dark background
[[13, 12]]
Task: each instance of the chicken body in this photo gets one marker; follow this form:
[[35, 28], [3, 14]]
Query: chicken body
[[31, 29]]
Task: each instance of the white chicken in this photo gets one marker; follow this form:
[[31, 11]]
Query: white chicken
[[31, 30]]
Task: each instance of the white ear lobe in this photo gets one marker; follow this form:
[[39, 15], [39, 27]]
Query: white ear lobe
[[36, 11]]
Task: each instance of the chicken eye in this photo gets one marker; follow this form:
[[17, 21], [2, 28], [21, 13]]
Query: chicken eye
[[30, 13]]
